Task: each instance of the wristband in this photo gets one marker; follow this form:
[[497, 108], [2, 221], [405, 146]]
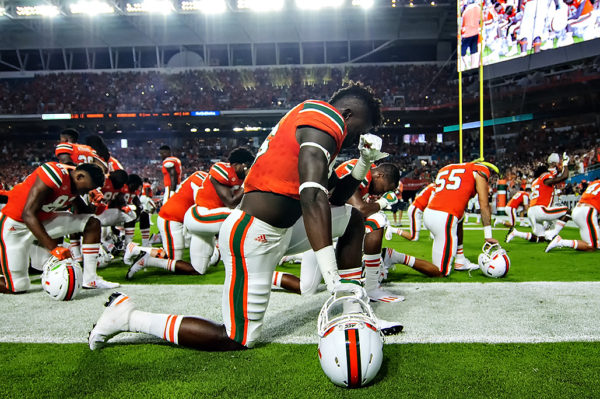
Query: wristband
[[487, 232]]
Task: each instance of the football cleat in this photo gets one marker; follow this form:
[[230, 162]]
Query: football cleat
[[553, 244], [100, 283], [464, 265], [389, 327], [510, 235], [380, 295], [155, 239], [138, 265], [114, 319], [130, 253]]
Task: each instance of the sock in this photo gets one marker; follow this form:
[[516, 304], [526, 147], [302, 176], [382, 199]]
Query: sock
[[164, 326], [167, 264], [372, 265], [145, 237], [90, 261], [75, 248], [129, 231], [559, 226], [277, 276], [567, 243], [522, 234], [460, 254], [351, 274], [396, 257]]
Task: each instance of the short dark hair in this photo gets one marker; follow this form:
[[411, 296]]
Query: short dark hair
[[73, 133], [364, 93], [241, 155], [98, 144], [540, 170], [165, 147], [94, 171], [391, 171], [118, 178], [134, 181]]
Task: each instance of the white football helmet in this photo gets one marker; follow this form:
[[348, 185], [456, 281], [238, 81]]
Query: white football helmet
[[61, 279], [493, 262], [350, 344]]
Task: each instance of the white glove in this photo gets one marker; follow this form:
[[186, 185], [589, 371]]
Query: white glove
[[351, 286], [369, 146], [566, 159], [387, 199]]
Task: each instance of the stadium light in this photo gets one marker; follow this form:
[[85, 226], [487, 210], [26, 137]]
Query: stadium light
[[151, 6], [363, 3], [318, 4], [42, 10], [205, 6], [91, 8], [261, 5]]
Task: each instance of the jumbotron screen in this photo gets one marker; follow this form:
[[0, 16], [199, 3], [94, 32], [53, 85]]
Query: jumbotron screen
[[515, 28]]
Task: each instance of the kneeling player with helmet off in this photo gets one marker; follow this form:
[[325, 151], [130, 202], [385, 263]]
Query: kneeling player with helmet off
[[33, 212], [541, 199], [455, 185], [415, 216], [585, 216], [286, 183]]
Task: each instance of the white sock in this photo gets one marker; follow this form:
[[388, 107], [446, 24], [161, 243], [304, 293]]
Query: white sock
[[567, 244], [522, 234], [164, 326], [460, 254], [75, 248], [90, 261], [351, 274], [145, 237], [372, 265], [129, 231], [277, 276], [167, 264]]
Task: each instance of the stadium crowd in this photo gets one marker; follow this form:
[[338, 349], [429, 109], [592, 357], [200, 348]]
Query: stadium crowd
[[401, 85]]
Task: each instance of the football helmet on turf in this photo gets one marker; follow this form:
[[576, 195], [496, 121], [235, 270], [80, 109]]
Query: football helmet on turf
[[350, 344], [493, 262], [61, 279]]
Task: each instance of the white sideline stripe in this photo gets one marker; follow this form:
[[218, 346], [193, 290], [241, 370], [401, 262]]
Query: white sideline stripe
[[492, 312]]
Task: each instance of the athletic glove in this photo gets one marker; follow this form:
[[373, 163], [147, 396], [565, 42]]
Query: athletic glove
[[61, 253], [387, 199], [369, 147], [95, 197], [566, 159]]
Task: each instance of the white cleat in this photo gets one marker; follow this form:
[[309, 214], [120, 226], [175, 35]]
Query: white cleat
[[380, 295], [510, 235], [131, 251], [138, 265], [114, 319], [464, 265], [155, 239], [389, 327], [100, 283], [553, 244]]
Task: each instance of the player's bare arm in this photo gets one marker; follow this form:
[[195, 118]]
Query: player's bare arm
[[564, 175], [313, 167], [482, 188], [173, 174], [39, 192], [365, 208], [229, 197]]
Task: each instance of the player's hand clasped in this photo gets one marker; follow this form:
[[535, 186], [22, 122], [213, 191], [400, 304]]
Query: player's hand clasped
[[387, 199]]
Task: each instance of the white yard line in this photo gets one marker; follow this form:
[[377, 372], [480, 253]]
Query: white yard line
[[432, 312]]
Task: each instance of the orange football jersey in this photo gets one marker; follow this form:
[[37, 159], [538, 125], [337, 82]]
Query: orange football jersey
[[171, 162], [275, 168], [174, 209], [521, 197], [454, 186], [114, 164], [54, 175], [222, 172], [542, 194], [346, 168], [591, 196], [79, 153], [422, 198]]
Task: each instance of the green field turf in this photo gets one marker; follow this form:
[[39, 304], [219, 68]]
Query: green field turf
[[549, 370]]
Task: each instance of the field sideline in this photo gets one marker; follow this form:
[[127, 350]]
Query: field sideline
[[445, 350]]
